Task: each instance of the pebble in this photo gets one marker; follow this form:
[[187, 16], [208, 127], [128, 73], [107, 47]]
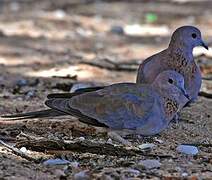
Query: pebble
[[60, 173], [184, 174], [23, 150], [59, 14], [158, 140], [132, 172], [146, 146], [30, 94], [56, 161], [81, 138], [149, 164], [22, 82], [187, 149], [109, 141], [82, 175]]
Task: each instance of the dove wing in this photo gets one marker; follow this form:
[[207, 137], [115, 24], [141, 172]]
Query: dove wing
[[120, 106]]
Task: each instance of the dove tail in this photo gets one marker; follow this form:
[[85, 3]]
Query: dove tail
[[50, 112], [35, 114]]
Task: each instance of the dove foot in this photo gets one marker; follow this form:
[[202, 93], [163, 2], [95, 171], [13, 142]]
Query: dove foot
[[115, 136], [188, 104], [176, 118]]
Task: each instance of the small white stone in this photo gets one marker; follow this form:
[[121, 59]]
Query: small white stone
[[60, 14], [82, 175], [131, 171], [149, 163], [81, 138], [146, 146], [159, 140], [56, 161], [187, 149], [184, 174], [109, 141], [23, 150]]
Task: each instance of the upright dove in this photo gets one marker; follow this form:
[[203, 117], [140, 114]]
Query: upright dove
[[141, 108], [178, 57]]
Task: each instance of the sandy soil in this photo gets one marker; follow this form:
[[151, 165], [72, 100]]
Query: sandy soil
[[48, 46]]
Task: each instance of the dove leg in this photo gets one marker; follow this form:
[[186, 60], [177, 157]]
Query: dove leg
[[176, 118], [117, 137], [189, 104]]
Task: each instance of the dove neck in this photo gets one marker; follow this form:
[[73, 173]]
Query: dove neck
[[186, 51], [170, 97], [181, 52], [166, 91]]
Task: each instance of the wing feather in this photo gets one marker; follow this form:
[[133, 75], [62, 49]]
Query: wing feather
[[123, 106]]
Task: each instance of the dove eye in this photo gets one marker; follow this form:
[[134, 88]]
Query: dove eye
[[194, 35], [170, 81]]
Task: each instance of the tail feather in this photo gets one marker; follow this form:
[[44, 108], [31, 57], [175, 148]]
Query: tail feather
[[77, 92], [62, 104], [36, 114], [50, 112]]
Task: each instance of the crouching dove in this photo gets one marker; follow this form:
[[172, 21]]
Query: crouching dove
[[178, 57], [141, 108]]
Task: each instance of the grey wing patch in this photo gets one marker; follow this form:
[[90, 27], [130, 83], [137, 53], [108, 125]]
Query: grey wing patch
[[156, 122], [126, 110], [62, 105]]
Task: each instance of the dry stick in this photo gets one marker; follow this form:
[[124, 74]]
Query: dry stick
[[43, 144], [109, 67], [209, 78], [205, 94], [187, 120], [66, 77], [17, 152]]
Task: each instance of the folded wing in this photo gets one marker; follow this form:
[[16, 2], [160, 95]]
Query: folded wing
[[120, 106]]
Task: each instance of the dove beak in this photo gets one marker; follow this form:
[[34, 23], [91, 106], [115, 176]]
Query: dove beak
[[204, 45]]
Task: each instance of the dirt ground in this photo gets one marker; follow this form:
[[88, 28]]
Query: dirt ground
[[48, 46]]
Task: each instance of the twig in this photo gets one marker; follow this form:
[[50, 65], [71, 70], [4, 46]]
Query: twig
[[187, 121], [43, 144], [17, 152], [85, 146], [110, 67], [205, 94], [66, 77], [106, 63], [209, 78]]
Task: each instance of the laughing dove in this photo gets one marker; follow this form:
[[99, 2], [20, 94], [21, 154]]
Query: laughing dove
[[141, 108], [178, 56]]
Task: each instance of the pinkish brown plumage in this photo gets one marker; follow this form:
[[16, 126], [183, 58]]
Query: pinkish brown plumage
[[144, 109], [178, 56]]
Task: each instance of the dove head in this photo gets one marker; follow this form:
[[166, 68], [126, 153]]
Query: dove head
[[171, 84], [186, 38]]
